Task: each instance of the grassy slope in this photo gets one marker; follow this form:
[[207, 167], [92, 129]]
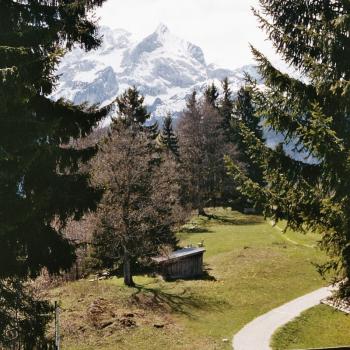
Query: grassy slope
[[252, 268], [320, 326]]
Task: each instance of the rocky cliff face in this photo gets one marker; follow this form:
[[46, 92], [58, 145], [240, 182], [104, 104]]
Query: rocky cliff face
[[164, 67]]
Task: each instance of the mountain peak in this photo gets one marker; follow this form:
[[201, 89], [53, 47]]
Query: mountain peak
[[162, 29], [164, 67]]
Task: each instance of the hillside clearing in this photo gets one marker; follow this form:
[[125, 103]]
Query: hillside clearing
[[251, 269]]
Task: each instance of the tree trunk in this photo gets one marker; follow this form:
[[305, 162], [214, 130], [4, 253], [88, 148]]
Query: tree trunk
[[128, 281], [201, 211]]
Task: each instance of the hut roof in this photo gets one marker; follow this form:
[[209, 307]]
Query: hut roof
[[178, 254]]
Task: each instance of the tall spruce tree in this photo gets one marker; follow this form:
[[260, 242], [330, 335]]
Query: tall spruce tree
[[226, 107], [235, 111], [192, 102], [211, 95], [167, 138], [133, 112], [40, 186], [244, 113], [153, 130], [131, 108], [190, 141], [313, 37], [202, 149]]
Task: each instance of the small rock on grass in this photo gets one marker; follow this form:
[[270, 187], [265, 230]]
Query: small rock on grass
[[158, 325]]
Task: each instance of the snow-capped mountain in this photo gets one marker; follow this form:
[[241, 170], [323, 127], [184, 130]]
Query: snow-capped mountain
[[164, 67]]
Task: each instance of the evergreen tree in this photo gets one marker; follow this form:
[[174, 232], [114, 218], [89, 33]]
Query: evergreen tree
[[153, 130], [211, 95], [234, 112], [23, 318], [40, 186], [313, 37], [133, 113], [244, 113], [226, 107], [131, 108], [190, 143], [192, 102], [202, 149], [167, 138]]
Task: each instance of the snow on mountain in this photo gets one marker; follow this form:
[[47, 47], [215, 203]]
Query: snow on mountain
[[164, 67]]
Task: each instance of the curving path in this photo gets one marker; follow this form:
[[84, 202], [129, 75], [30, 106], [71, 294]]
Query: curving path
[[257, 334]]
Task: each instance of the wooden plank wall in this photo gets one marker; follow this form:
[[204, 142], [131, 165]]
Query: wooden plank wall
[[185, 267]]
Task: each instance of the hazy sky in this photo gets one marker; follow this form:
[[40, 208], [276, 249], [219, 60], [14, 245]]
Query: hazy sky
[[222, 28]]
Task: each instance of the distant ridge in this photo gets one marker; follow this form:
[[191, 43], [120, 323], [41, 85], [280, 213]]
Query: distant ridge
[[164, 67]]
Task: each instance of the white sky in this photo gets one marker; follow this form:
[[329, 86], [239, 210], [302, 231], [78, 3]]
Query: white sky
[[222, 28]]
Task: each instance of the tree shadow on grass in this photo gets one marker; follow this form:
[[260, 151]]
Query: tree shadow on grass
[[193, 228], [205, 276], [244, 220], [183, 302]]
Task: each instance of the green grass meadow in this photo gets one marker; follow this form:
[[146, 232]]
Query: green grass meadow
[[251, 267], [320, 326]]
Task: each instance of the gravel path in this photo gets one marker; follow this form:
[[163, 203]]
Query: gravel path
[[257, 334]]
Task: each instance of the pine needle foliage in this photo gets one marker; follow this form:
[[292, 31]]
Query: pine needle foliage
[[133, 113], [211, 95], [226, 107], [313, 114], [40, 185], [203, 144], [131, 108], [167, 138]]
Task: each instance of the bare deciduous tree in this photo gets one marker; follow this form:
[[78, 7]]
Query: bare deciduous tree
[[138, 210]]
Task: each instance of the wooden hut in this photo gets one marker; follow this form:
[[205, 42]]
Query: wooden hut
[[184, 263]]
